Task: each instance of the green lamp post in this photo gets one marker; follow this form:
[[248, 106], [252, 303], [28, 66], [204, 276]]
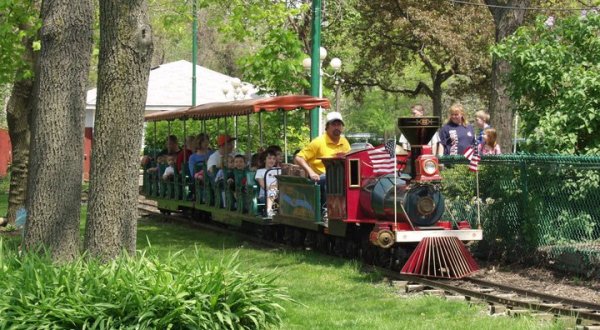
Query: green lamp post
[[315, 68]]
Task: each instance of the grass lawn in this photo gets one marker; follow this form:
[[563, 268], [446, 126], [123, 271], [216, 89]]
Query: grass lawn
[[330, 293]]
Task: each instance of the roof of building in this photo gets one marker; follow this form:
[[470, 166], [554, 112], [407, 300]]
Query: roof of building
[[170, 87]]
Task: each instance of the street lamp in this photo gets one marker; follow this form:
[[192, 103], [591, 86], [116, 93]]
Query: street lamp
[[239, 91], [336, 65]]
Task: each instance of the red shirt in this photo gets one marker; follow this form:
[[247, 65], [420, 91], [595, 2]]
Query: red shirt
[[180, 158]]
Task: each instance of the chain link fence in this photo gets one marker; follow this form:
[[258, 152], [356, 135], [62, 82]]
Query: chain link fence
[[537, 209]]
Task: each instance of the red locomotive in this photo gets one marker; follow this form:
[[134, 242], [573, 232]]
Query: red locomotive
[[389, 217]]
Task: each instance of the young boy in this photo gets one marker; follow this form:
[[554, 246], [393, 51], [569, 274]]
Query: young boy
[[266, 179], [170, 170]]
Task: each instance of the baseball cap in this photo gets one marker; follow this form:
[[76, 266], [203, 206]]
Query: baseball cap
[[333, 116], [224, 138]]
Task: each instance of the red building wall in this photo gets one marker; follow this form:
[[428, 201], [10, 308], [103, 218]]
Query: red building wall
[[5, 152], [87, 152]]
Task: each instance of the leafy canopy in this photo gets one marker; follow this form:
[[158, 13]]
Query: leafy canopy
[[556, 82], [18, 21]]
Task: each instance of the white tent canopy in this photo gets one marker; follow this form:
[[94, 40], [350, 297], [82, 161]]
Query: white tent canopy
[[170, 87]]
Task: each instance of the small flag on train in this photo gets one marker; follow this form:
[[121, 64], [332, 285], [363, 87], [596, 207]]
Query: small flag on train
[[383, 158], [390, 146], [472, 155]]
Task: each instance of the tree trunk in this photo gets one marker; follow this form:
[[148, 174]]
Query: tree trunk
[[501, 106], [56, 153], [17, 117], [436, 98], [123, 72]]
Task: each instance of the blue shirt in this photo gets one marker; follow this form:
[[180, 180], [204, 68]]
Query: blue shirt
[[197, 159], [456, 138]]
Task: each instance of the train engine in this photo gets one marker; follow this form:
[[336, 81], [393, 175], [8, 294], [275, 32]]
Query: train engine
[[400, 202]]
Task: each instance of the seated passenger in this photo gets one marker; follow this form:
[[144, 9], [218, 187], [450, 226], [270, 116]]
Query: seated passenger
[[328, 144], [267, 181], [278, 152], [200, 156], [216, 159], [239, 163], [255, 162], [221, 172], [184, 155], [170, 170], [160, 160]]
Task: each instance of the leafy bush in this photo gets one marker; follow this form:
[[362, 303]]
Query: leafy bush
[[141, 292]]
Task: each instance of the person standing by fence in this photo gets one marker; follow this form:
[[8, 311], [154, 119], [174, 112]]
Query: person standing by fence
[[456, 135]]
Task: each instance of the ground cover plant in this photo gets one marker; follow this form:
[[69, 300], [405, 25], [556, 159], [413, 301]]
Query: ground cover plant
[[179, 291], [327, 293]]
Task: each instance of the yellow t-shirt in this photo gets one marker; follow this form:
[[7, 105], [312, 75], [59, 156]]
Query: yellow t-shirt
[[322, 147]]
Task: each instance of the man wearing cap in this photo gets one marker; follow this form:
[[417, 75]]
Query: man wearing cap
[[329, 144], [225, 144]]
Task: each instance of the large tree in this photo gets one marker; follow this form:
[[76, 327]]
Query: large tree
[[123, 72], [508, 16], [56, 158], [389, 36]]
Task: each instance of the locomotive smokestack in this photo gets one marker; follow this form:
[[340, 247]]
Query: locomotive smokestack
[[418, 131]]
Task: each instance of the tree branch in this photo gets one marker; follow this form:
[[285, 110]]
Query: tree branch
[[421, 88]]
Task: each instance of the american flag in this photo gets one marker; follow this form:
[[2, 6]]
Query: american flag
[[473, 156], [383, 158]]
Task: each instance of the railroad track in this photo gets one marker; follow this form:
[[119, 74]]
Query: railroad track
[[501, 299]]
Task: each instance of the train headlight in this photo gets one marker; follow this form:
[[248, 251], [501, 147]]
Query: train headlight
[[429, 167]]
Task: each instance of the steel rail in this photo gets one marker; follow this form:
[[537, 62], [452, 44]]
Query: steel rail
[[535, 294], [541, 306]]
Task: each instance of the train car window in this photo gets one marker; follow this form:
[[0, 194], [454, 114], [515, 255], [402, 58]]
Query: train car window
[[335, 178], [354, 173]]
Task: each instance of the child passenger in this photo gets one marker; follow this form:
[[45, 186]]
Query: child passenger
[[267, 181], [239, 163], [170, 170], [489, 145]]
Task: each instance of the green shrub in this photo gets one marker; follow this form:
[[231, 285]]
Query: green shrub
[[134, 292]]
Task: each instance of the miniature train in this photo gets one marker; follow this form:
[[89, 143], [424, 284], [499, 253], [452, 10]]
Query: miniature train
[[391, 218]]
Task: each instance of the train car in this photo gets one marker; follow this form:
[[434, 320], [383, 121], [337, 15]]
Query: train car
[[386, 208]]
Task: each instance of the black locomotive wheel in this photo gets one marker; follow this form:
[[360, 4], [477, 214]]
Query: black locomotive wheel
[[298, 237], [339, 247], [288, 235], [310, 241], [384, 258], [322, 243], [351, 249], [399, 257], [368, 252]]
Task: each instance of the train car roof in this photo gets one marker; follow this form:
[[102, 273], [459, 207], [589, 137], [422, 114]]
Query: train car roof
[[242, 107]]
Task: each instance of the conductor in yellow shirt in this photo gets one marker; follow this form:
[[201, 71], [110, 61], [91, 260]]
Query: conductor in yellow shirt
[[328, 144]]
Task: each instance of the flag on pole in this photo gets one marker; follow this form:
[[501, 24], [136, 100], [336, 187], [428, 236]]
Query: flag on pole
[[472, 155], [383, 158]]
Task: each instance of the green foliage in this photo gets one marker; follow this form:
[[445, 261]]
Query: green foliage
[[18, 22], [275, 68], [145, 292], [555, 78], [4, 95]]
